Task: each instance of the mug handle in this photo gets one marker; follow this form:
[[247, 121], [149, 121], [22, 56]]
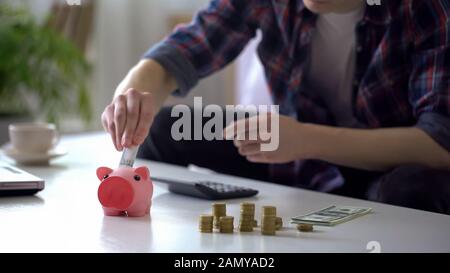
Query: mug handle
[[56, 138]]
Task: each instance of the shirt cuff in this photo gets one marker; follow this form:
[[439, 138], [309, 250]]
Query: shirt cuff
[[437, 126], [176, 64]]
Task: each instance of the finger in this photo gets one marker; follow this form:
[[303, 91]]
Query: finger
[[265, 126], [237, 143], [133, 109], [145, 119], [241, 128], [240, 143], [120, 116], [112, 133], [108, 123], [104, 118], [249, 150]]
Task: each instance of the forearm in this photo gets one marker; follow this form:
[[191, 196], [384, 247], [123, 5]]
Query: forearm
[[149, 76], [374, 149]]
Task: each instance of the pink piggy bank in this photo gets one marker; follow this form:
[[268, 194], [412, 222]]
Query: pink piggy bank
[[125, 190]]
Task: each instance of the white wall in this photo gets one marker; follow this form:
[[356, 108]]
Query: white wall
[[124, 30]]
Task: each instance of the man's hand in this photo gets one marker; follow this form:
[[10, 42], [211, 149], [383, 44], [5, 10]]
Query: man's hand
[[368, 149], [128, 118], [291, 144]]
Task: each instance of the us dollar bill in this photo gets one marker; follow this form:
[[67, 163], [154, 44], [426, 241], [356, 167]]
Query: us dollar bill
[[128, 157], [331, 216]]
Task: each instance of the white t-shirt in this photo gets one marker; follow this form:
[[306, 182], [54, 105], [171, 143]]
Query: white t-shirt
[[332, 62]]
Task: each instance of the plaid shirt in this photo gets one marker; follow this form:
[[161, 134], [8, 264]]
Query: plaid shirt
[[401, 76]]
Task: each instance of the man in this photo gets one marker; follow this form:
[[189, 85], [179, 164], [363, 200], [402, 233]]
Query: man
[[363, 91]]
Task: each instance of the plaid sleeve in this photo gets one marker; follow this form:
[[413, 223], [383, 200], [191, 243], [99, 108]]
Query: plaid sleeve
[[429, 84], [213, 39]]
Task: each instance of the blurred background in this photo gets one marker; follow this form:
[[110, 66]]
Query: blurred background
[[62, 63]]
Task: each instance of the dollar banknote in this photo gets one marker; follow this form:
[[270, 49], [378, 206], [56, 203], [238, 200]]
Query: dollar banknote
[[128, 157], [331, 216]]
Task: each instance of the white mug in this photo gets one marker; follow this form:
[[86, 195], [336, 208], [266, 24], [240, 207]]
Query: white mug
[[33, 137]]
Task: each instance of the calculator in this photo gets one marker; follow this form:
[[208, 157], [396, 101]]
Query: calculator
[[206, 189]]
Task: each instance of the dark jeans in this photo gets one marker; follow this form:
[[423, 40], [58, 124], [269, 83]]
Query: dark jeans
[[409, 186]]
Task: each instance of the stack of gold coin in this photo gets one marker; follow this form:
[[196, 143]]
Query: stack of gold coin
[[205, 223], [269, 211], [279, 223], [268, 225], [218, 210], [246, 222], [305, 227], [268, 220], [226, 224]]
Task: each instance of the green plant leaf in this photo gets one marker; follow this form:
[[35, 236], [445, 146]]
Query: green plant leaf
[[37, 62]]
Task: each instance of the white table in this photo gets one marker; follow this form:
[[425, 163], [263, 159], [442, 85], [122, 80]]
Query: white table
[[67, 217]]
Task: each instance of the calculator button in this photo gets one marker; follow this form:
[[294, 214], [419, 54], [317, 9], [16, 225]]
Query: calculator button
[[220, 190]]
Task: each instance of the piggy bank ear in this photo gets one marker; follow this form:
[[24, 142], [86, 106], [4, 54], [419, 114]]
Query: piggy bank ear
[[102, 172], [143, 172]]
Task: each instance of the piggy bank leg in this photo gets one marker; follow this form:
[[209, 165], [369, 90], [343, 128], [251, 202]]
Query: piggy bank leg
[[136, 213], [113, 212]]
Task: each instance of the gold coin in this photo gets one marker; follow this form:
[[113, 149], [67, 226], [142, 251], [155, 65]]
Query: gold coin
[[247, 211], [268, 223], [216, 224], [267, 232], [241, 229], [269, 210], [226, 230], [219, 209], [268, 219], [247, 207], [279, 223], [252, 215], [305, 227], [250, 223], [206, 230], [219, 206]]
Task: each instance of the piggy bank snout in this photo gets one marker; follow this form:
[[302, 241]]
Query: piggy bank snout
[[116, 192]]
